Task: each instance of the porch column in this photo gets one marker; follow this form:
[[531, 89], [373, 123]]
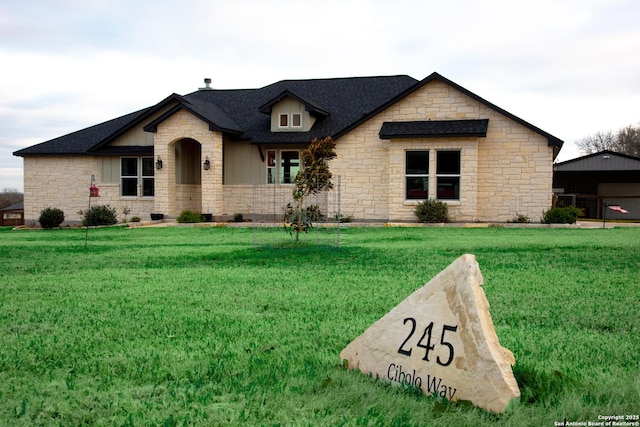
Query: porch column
[[212, 201]]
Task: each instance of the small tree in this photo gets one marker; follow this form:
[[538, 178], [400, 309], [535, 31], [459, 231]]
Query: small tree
[[311, 179]]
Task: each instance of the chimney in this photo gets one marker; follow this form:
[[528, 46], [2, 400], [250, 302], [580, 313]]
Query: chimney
[[207, 84]]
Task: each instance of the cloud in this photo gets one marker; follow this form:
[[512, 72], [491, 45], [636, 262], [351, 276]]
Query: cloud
[[568, 67]]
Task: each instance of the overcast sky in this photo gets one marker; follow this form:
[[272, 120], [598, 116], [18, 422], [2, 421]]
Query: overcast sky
[[569, 67]]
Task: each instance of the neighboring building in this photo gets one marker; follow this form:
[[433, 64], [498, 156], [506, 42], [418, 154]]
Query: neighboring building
[[12, 215], [399, 141], [591, 181]]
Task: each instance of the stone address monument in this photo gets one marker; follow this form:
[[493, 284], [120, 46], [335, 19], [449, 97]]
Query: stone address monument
[[441, 339]]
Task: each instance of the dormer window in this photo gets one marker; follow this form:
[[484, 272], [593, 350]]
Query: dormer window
[[292, 113], [292, 120]]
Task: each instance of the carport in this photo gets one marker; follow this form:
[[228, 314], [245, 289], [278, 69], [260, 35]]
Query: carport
[[595, 180]]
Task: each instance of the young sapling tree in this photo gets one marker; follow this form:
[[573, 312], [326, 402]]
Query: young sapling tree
[[314, 177]]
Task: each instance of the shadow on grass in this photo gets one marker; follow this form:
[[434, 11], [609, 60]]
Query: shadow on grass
[[540, 387]]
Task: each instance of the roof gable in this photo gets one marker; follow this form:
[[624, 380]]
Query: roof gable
[[552, 140], [310, 106], [207, 112]]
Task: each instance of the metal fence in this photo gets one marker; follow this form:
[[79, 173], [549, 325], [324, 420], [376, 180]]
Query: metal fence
[[270, 228]]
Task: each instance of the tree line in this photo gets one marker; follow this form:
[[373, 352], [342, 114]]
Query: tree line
[[10, 196], [625, 141]]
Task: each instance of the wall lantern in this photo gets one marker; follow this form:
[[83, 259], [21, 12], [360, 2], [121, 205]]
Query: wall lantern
[[206, 164], [159, 163]]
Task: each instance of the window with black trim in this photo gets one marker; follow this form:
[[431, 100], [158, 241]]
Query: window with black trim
[[136, 171], [417, 175], [448, 175], [282, 166]]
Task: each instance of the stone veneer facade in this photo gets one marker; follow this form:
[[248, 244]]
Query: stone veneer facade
[[63, 182], [506, 173]]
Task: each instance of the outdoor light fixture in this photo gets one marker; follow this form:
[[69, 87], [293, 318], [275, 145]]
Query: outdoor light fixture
[[207, 164], [159, 163]]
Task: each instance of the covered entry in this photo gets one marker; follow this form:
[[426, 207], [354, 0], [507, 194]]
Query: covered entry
[[188, 175]]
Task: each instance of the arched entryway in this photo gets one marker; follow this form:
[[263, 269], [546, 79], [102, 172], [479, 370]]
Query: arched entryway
[[188, 178]]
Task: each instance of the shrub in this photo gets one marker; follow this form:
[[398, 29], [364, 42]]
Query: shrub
[[238, 217], [100, 215], [521, 219], [560, 215], [432, 211], [343, 218], [135, 219], [51, 217], [188, 216]]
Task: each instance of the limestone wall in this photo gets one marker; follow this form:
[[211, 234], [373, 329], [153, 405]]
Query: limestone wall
[[63, 182], [179, 126], [508, 172]]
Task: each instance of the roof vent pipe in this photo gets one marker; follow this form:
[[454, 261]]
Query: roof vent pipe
[[207, 84]]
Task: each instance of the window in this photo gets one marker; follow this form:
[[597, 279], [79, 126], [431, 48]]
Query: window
[[289, 166], [293, 120], [417, 175], [448, 175], [147, 177], [134, 170], [271, 167], [129, 176], [282, 166]]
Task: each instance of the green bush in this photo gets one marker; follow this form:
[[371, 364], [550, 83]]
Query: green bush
[[135, 219], [188, 216], [521, 219], [51, 217], [560, 215], [100, 215], [432, 211]]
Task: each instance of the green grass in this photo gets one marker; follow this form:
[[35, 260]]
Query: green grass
[[196, 326]]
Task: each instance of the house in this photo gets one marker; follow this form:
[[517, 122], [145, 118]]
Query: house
[[12, 215], [398, 141], [589, 182]]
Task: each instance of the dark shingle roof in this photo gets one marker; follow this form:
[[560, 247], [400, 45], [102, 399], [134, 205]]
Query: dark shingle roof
[[346, 100], [339, 106], [84, 140], [206, 111], [434, 129], [310, 106], [16, 207], [337, 103]]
